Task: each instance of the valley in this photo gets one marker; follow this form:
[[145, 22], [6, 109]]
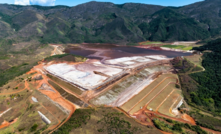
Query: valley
[[100, 67], [145, 87]]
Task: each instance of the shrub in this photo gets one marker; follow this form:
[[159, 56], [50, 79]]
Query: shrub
[[177, 86], [34, 128], [177, 127]]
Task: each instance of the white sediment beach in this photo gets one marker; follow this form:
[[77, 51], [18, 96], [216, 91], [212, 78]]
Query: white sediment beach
[[157, 57], [90, 75], [82, 75], [131, 61]]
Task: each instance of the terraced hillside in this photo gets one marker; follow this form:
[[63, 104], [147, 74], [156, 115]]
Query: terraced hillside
[[160, 93]]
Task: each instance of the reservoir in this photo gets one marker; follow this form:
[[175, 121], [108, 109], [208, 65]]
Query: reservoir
[[111, 51]]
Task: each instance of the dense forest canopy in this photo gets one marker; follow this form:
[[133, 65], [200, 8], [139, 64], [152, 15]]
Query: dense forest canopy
[[209, 88], [104, 22]]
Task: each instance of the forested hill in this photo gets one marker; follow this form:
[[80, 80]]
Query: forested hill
[[208, 93], [108, 22]]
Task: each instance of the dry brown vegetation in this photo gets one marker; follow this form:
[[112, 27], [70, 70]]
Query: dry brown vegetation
[[154, 93]]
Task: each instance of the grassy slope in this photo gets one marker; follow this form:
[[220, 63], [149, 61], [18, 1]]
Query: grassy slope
[[201, 89], [174, 127], [15, 63], [113, 23], [102, 120], [24, 110], [181, 47]]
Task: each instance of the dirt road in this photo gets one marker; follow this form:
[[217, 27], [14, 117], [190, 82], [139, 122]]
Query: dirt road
[[56, 50], [131, 91], [164, 100], [6, 124], [54, 96], [15, 92], [62, 122], [151, 92]]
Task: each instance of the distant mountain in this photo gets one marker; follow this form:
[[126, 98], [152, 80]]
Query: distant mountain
[[108, 22], [207, 12]]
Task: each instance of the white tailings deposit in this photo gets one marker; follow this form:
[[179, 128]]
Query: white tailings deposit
[[5, 112], [34, 99], [131, 62], [44, 118], [131, 91], [45, 86], [92, 75], [152, 70], [126, 89], [184, 42], [157, 57], [82, 74], [121, 95]]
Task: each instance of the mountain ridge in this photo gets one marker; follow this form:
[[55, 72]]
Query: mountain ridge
[[90, 22]]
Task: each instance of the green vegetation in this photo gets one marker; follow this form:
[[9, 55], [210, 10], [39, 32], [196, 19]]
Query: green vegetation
[[188, 48], [202, 89], [21, 129], [6, 18], [119, 29], [51, 58], [113, 24], [181, 47], [5, 45], [132, 44], [168, 125], [41, 130], [34, 128], [112, 123], [184, 66], [168, 25], [103, 120], [206, 121], [47, 7], [109, 16], [4, 57], [124, 23], [208, 91], [13, 72], [177, 86], [152, 42], [80, 117], [66, 57], [55, 33]]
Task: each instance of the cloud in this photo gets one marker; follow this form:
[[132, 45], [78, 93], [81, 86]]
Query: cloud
[[22, 2], [35, 2], [43, 2]]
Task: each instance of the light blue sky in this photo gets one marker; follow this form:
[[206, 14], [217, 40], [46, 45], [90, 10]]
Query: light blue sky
[[76, 2]]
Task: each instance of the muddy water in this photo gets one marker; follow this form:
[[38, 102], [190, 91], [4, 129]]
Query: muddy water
[[142, 51], [79, 51], [114, 51]]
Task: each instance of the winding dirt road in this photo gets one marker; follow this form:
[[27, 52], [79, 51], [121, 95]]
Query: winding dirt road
[[54, 96], [15, 92]]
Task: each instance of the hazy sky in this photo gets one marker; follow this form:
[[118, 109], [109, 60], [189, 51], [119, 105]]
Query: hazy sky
[[76, 2]]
